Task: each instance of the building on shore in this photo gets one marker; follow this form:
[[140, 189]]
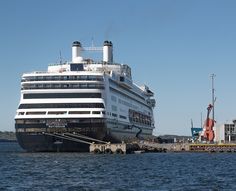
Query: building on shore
[[226, 133]]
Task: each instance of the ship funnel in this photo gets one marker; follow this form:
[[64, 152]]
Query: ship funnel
[[76, 52], [107, 52]]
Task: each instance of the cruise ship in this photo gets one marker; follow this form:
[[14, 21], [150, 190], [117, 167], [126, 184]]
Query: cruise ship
[[75, 103]]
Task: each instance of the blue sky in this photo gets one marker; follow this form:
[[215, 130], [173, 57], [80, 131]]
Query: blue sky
[[172, 46]]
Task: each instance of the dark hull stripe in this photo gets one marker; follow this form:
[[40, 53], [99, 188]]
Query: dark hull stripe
[[31, 137]]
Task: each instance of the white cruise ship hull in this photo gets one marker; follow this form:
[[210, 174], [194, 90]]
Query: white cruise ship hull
[[73, 104]]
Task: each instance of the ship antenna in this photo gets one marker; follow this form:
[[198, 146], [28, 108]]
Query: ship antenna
[[92, 42], [60, 57]]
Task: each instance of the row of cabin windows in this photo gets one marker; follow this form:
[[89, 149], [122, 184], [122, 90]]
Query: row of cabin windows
[[61, 95], [70, 112], [115, 115], [63, 86], [62, 112], [140, 118], [126, 90], [62, 78], [75, 120], [126, 103], [61, 105]]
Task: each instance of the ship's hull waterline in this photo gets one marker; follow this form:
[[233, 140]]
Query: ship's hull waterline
[[45, 137], [60, 139]]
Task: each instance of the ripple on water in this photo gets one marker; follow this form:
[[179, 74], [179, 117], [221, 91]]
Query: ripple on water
[[84, 171]]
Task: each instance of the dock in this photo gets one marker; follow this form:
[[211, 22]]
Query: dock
[[152, 147], [141, 146], [136, 147], [200, 147], [108, 148]]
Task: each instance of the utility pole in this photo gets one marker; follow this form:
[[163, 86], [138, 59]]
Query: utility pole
[[213, 95]]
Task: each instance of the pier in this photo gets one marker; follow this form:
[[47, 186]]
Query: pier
[[137, 147], [118, 148], [147, 147], [141, 146], [212, 147]]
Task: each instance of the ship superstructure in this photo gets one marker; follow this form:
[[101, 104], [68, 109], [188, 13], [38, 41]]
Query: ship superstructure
[[82, 98]]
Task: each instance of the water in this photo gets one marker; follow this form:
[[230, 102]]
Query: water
[[83, 171]]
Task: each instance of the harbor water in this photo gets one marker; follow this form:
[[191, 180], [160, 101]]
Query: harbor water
[[20, 170]]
